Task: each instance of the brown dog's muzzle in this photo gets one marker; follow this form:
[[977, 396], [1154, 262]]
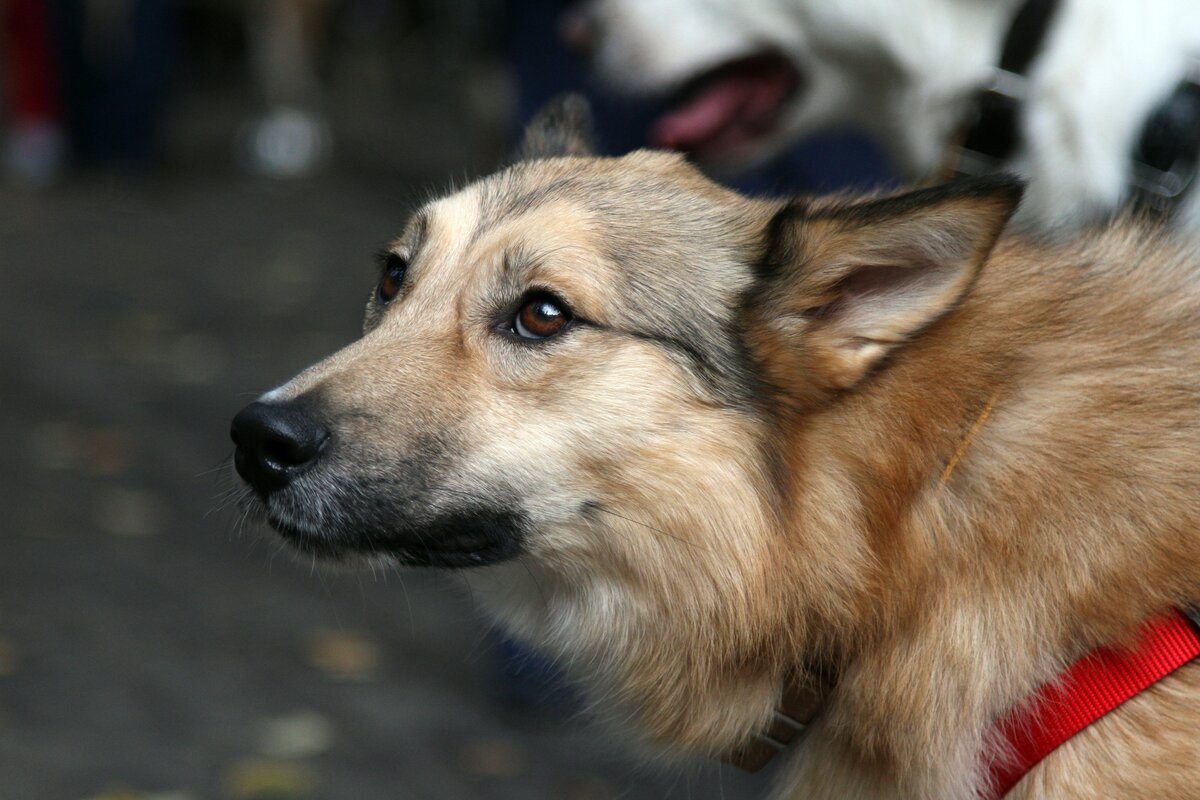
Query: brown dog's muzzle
[[328, 497]]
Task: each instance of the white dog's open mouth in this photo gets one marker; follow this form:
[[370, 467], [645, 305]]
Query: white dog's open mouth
[[728, 108]]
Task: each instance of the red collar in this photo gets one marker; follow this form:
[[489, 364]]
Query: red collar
[[1087, 691]]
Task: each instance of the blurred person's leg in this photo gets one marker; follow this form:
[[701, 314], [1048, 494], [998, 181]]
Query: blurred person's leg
[[36, 147], [117, 60], [292, 138], [146, 78]]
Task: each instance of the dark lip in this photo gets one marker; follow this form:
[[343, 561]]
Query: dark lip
[[439, 554]]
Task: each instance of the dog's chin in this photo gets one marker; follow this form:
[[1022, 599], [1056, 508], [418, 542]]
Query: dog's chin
[[452, 541]]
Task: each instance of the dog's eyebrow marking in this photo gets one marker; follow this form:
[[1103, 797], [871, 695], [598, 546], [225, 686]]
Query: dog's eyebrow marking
[[499, 200], [535, 197], [385, 257], [522, 259], [514, 261], [518, 262], [709, 371], [420, 229], [410, 241]]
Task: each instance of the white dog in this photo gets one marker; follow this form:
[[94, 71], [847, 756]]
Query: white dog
[[754, 75]]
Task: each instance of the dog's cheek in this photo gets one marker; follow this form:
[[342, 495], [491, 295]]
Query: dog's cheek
[[534, 473]]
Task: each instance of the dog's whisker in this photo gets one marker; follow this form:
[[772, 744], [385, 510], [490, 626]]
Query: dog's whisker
[[659, 531], [223, 464], [412, 621], [536, 583], [225, 499], [470, 590]]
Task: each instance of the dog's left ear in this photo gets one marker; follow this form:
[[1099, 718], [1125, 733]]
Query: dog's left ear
[[843, 286], [563, 127]]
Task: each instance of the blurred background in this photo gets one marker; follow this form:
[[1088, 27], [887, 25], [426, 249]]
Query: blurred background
[[190, 197]]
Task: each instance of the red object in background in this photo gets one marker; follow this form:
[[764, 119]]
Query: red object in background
[[33, 90]]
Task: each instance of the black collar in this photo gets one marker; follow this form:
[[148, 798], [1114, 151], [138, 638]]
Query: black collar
[[992, 136], [1166, 158]]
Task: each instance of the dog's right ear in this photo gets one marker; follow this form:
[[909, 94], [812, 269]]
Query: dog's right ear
[[844, 285], [563, 127]]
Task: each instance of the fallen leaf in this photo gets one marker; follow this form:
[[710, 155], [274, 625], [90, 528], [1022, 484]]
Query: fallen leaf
[[140, 338], [196, 359], [10, 658], [116, 794], [300, 735], [105, 451], [123, 793], [344, 656], [590, 788], [54, 445], [128, 512], [261, 779], [494, 757]]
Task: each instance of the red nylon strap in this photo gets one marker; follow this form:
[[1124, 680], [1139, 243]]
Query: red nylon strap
[[1087, 691]]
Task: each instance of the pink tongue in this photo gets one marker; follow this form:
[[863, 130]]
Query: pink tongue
[[730, 111], [703, 118]]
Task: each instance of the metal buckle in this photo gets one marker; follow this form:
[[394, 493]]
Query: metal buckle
[[1004, 92], [795, 728], [1160, 189], [770, 741], [972, 164], [1008, 85]]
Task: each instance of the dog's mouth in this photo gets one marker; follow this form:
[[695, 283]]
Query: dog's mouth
[[470, 538], [724, 111]]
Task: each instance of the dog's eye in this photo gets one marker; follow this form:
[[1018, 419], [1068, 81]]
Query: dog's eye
[[394, 268], [541, 316]]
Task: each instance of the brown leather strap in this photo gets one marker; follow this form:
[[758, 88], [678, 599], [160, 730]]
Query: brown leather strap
[[802, 699]]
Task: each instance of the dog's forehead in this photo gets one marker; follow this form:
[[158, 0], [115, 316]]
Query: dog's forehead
[[649, 215], [643, 245]]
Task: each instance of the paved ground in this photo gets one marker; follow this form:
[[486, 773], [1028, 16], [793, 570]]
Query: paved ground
[[149, 648]]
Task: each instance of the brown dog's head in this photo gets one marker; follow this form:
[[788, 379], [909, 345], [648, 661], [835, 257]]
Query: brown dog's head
[[542, 347], [586, 364]]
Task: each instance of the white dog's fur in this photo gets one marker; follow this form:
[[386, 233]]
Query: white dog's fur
[[906, 71]]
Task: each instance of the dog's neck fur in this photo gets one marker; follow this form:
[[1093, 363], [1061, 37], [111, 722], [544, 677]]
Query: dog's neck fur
[[949, 561], [935, 576]]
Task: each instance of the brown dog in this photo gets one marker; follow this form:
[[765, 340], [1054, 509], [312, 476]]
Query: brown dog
[[700, 445]]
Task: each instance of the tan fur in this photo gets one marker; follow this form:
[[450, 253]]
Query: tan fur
[[732, 540]]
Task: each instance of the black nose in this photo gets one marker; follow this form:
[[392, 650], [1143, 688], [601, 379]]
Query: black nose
[[275, 443]]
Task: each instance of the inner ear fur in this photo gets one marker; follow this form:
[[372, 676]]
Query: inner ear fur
[[842, 286], [563, 127]]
